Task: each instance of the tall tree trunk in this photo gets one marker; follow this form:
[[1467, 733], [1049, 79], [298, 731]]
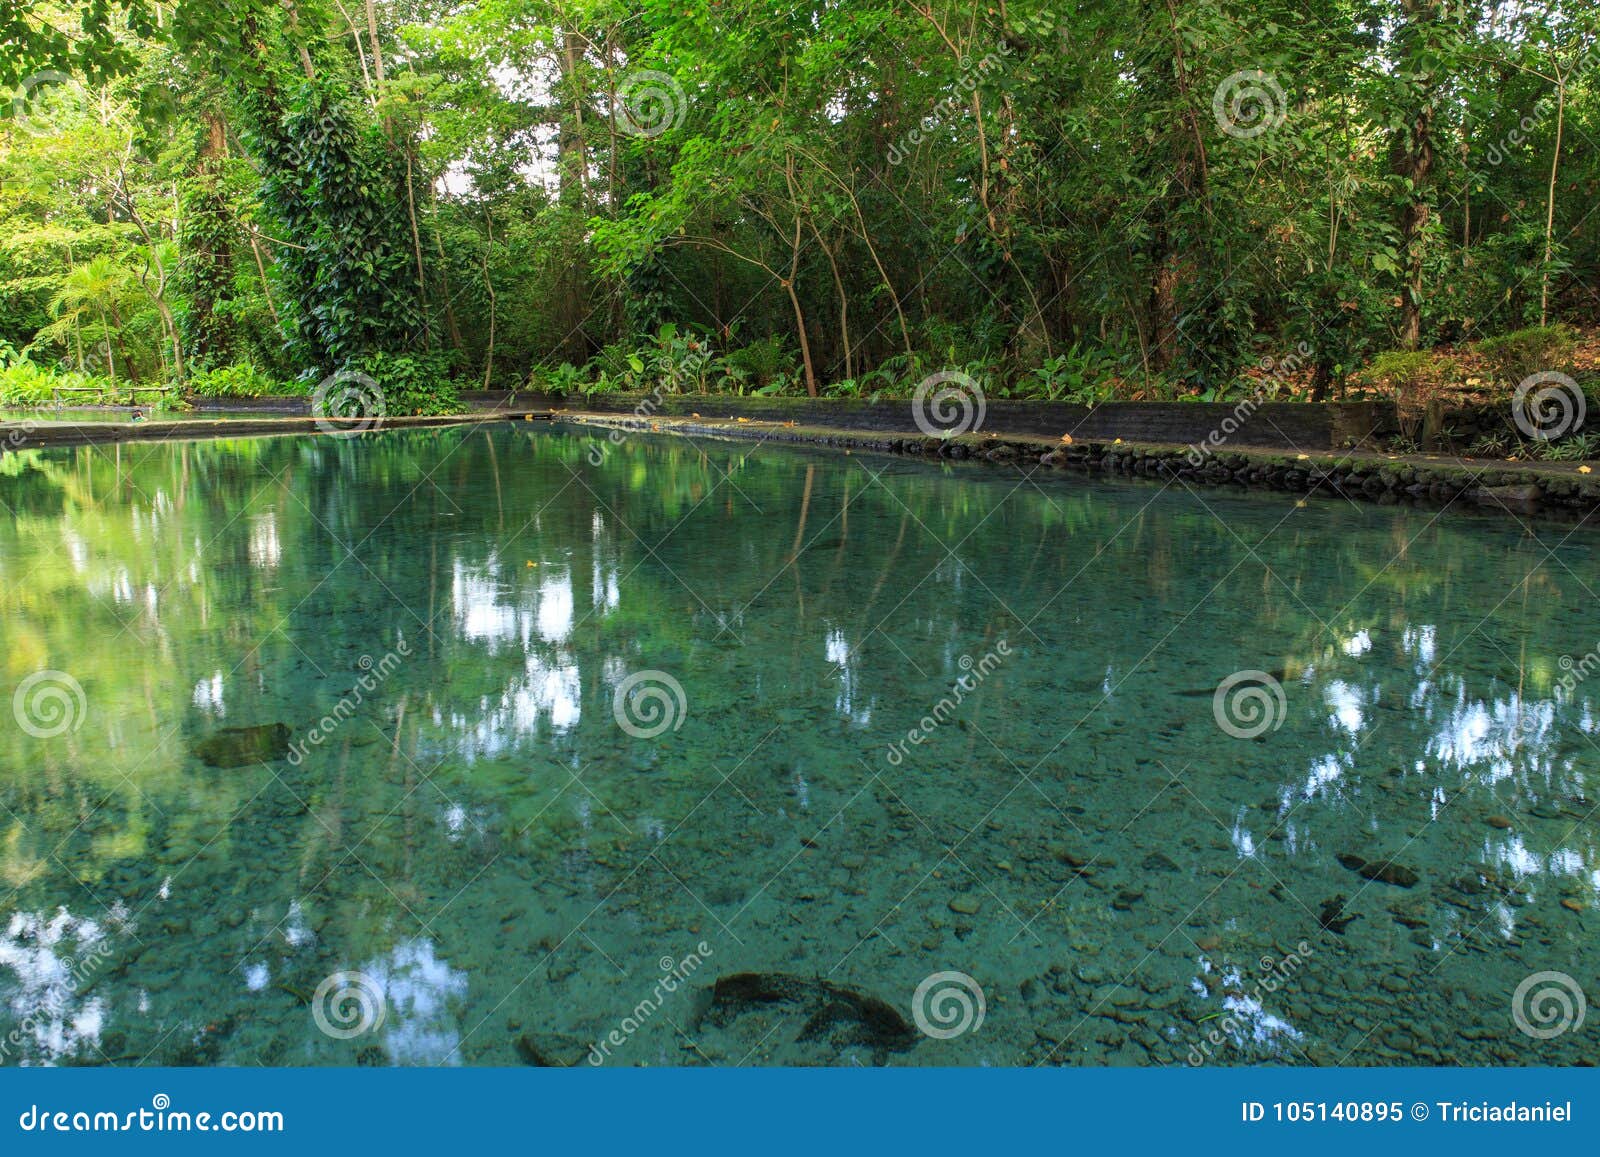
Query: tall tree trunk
[[1185, 173], [799, 313], [572, 170], [377, 52], [1550, 199], [1412, 154], [444, 271], [105, 335], [844, 302], [205, 251], [488, 284], [416, 245]]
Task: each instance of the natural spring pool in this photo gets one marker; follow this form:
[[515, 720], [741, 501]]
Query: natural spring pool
[[320, 758]]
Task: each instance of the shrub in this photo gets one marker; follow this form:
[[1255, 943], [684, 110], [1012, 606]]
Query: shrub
[[615, 367], [679, 362], [560, 380], [1411, 376], [412, 384], [1574, 448], [760, 361], [23, 383], [1083, 374], [240, 380], [1514, 356]]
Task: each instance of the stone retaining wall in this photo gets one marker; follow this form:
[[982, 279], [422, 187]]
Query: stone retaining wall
[[1275, 425], [1378, 481], [1364, 477], [1456, 428], [269, 406]]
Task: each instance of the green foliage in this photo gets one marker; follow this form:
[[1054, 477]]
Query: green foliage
[[1044, 192], [1514, 356], [679, 362], [335, 186], [411, 383], [563, 379], [1573, 448], [1496, 445], [240, 380], [614, 368], [89, 42], [208, 236], [1411, 375], [1082, 374], [22, 383], [1579, 447], [756, 364]]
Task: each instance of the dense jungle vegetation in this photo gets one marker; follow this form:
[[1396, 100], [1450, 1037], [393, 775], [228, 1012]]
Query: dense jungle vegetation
[[1067, 200]]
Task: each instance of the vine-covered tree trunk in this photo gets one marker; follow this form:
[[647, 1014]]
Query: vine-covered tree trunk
[[206, 236]]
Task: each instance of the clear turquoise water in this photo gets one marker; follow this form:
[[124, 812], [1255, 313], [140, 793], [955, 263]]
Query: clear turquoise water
[[500, 860]]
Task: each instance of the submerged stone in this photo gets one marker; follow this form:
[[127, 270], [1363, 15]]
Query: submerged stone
[[1332, 916], [238, 746], [1386, 871], [552, 1050], [839, 1015]]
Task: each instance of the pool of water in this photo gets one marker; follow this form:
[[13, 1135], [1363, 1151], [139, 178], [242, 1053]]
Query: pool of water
[[509, 744]]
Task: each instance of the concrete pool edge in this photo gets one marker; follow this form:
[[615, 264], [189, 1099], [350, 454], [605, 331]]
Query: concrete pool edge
[[1499, 485], [28, 435], [1509, 487]]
